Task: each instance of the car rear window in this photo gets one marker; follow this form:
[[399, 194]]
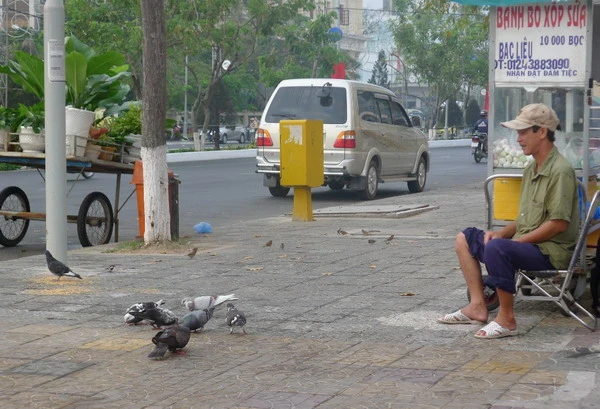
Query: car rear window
[[305, 103]]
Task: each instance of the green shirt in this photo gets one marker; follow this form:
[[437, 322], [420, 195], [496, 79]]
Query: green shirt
[[550, 194]]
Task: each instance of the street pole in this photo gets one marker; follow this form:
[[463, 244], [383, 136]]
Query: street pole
[[185, 115], [54, 101]]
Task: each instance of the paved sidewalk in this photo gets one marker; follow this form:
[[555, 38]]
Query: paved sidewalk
[[334, 321]]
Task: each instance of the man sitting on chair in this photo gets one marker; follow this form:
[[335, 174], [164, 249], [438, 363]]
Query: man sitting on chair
[[543, 236]]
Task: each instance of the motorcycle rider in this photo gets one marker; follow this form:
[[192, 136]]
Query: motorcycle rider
[[481, 126]]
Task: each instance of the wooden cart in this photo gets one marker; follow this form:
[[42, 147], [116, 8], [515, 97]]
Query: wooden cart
[[96, 217]]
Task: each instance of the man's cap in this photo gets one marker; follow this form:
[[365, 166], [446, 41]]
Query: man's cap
[[534, 115]]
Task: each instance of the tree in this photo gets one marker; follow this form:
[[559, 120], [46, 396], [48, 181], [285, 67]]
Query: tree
[[445, 44], [154, 147], [380, 71]]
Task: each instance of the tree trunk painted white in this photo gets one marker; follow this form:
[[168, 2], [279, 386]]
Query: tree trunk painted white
[[156, 195], [154, 102]]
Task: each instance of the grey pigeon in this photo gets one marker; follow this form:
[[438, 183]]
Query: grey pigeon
[[172, 339], [134, 314], [235, 318], [58, 268], [196, 320], [205, 302]]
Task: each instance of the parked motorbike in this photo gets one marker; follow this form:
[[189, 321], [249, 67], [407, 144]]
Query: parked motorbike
[[479, 147]]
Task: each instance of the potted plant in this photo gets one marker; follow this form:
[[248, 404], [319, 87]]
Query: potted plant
[[93, 81], [126, 129], [30, 121], [7, 123]]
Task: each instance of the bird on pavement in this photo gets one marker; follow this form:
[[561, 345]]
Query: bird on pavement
[[268, 244], [157, 315], [196, 320], [342, 232], [172, 338], [192, 253], [390, 238], [134, 314], [205, 302], [235, 318], [58, 268]]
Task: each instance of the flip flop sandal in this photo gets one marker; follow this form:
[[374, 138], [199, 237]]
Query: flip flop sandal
[[458, 318], [494, 331]]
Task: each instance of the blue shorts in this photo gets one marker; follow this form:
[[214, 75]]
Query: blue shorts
[[503, 257]]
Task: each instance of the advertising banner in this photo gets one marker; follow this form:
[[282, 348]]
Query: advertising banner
[[541, 44]]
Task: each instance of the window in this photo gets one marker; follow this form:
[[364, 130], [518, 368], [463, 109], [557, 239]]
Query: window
[[384, 110], [367, 107], [399, 116], [302, 102]]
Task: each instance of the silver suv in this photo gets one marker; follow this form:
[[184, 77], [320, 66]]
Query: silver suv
[[368, 137]]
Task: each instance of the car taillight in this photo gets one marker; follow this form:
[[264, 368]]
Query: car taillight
[[263, 138], [346, 139]]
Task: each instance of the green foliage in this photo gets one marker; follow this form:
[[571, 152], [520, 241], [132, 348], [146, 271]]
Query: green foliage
[[445, 45], [127, 123], [472, 114], [92, 80], [455, 115], [32, 116], [380, 71], [8, 118]]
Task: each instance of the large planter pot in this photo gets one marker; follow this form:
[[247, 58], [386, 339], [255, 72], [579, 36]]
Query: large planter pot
[[31, 142], [77, 128]]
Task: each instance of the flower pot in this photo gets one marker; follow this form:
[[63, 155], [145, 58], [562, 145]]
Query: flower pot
[[78, 121], [31, 142], [92, 151], [107, 152]]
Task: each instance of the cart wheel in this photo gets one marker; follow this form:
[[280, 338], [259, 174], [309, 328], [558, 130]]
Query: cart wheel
[[13, 230], [491, 297], [95, 220]]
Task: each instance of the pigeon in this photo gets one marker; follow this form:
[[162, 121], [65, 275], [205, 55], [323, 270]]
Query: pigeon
[[59, 269], [196, 320], [192, 253], [235, 318], [134, 314], [158, 316], [172, 338], [205, 302]]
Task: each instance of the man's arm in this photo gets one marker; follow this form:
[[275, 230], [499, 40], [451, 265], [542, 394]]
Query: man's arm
[[506, 232], [544, 232]]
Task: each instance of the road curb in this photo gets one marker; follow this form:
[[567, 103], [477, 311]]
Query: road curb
[[179, 157]]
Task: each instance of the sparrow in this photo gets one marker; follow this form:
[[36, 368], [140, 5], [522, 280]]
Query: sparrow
[[371, 241], [268, 244], [342, 232], [192, 253], [390, 238], [282, 246]]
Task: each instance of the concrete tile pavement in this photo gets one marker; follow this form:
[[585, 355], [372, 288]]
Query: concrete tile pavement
[[334, 322]]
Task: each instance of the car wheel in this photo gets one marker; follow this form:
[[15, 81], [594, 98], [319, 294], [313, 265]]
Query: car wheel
[[417, 186], [279, 191], [243, 138], [224, 138], [370, 190]]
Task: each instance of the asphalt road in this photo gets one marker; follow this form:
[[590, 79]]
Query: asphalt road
[[220, 192]]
